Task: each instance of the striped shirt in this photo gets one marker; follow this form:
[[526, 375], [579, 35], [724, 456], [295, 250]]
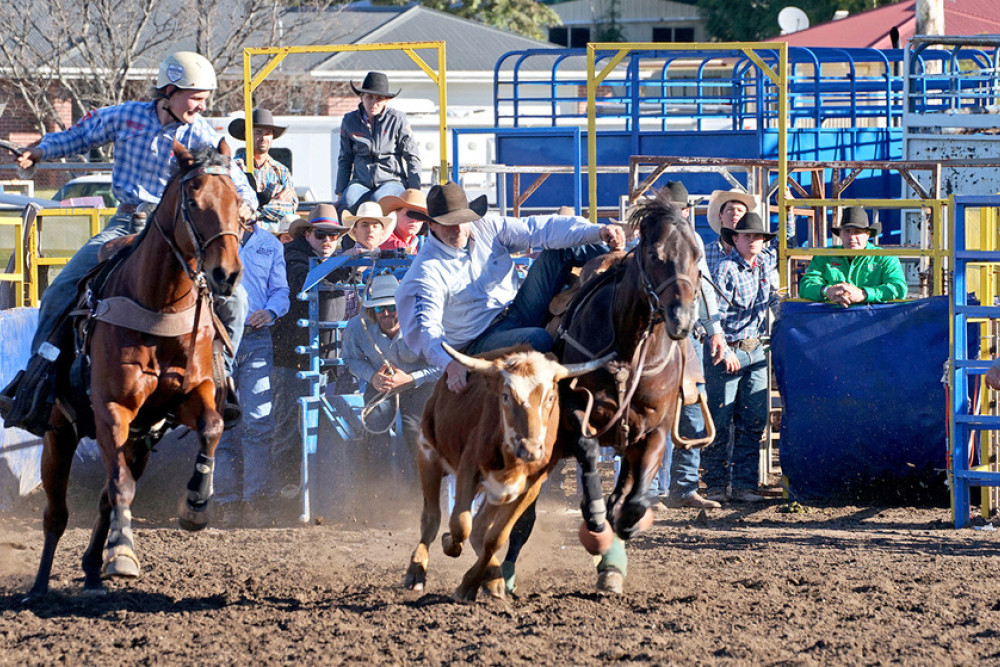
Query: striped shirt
[[143, 149], [271, 177], [749, 291]]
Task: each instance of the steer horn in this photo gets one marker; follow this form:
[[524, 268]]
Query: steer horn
[[575, 370], [472, 363]]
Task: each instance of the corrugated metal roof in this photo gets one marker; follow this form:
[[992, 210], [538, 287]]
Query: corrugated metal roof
[[470, 46]]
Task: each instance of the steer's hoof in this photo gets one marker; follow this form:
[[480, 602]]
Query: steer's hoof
[[416, 577], [120, 562], [610, 580], [596, 544], [450, 546]]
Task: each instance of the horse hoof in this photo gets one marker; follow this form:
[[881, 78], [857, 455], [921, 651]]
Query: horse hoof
[[450, 546], [463, 594], [495, 588], [610, 580], [189, 519], [596, 544], [416, 577], [120, 562], [92, 592]]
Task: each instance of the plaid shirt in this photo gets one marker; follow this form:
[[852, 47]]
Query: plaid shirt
[[715, 253], [143, 149], [750, 291], [272, 177]]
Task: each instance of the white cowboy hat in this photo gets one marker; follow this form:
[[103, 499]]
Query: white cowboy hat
[[719, 198], [370, 210]]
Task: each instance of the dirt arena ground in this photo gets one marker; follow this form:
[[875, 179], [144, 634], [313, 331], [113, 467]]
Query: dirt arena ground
[[757, 585]]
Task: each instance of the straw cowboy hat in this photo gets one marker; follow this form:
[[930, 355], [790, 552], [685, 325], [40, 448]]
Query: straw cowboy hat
[[855, 217], [719, 198], [748, 224], [322, 217], [262, 119], [411, 198], [369, 210], [382, 291], [375, 83], [448, 205]]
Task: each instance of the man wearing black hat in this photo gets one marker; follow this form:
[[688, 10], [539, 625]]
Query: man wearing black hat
[[462, 286], [378, 156], [849, 280], [270, 176], [737, 387]]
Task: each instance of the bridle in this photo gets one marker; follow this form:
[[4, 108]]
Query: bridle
[[657, 311], [200, 243]]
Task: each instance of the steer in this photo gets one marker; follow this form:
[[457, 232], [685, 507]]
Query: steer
[[497, 435]]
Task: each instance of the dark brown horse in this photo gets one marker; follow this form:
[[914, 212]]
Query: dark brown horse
[[643, 309], [187, 253]]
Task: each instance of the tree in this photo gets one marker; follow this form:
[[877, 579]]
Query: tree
[[754, 20], [524, 17], [97, 53]]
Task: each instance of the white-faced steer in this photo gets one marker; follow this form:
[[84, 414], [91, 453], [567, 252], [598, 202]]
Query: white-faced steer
[[498, 434]]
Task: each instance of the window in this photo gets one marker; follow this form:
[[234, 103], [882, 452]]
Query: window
[[663, 34], [574, 38]]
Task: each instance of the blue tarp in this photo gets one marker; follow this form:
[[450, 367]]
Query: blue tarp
[[20, 452], [864, 410]]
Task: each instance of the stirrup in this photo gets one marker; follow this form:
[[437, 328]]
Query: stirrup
[[232, 413], [31, 394]]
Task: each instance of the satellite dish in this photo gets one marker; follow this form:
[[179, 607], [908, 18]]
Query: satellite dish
[[792, 19]]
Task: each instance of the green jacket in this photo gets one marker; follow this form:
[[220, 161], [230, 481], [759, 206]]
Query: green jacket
[[881, 277]]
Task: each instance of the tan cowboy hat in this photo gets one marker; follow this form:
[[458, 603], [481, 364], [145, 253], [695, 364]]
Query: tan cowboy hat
[[448, 205], [411, 198], [369, 210], [719, 198], [262, 118], [322, 217]]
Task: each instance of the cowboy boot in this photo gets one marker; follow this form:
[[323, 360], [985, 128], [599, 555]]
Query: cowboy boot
[[27, 401], [232, 413]]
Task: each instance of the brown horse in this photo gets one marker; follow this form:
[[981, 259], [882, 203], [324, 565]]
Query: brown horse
[[642, 309], [138, 379]]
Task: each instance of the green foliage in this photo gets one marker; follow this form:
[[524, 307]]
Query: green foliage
[[753, 20]]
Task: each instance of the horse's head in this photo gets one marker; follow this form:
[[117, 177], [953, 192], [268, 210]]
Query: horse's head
[[206, 216], [667, 263]]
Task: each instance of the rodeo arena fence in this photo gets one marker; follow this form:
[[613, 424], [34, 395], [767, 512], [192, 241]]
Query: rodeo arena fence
[[901, 132]]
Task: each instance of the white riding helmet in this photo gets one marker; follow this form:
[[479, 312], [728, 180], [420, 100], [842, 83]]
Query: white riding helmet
[[187, 70]]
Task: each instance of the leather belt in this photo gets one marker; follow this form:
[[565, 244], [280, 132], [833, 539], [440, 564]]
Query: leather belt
[[746, 344]]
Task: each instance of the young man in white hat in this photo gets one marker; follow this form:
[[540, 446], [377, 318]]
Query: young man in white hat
[[725, 208], [378, 155], [142, 134], [462, 287], [368, 229], [272, 178]]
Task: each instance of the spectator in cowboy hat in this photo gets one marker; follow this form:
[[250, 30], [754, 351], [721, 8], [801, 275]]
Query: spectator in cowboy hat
[[378, 155], [860, 279], [368, 229], [725, 208], [406, 234], [737, 387], [462, 289], [272, 179]]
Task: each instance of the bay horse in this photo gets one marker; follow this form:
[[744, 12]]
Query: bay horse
[[150, 346], [642, 308]]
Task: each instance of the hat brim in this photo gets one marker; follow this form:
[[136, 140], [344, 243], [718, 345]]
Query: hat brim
[[237, 129], [873, 230], [361, 91], [381, 301], [476, 210], [300, 226], [719, 199], [394, 203], [727, 234]]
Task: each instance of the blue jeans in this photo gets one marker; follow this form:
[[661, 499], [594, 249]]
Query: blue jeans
[[286, 448], [685, 462], [245, 451], [356, 193], [61, 292], [739, 400], [526, 314]]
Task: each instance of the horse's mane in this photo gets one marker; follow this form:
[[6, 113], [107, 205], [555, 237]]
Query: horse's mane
[[656, 211]]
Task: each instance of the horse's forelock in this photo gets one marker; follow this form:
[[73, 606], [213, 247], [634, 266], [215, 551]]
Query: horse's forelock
[[660, 221]]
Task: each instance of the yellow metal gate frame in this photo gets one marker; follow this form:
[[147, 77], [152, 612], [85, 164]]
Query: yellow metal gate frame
[[279, 53]]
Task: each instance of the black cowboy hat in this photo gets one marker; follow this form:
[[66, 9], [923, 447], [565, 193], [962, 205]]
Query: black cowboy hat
[[261, 118], [748, 224], [375, 83], [855, 217], [448, 205]]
